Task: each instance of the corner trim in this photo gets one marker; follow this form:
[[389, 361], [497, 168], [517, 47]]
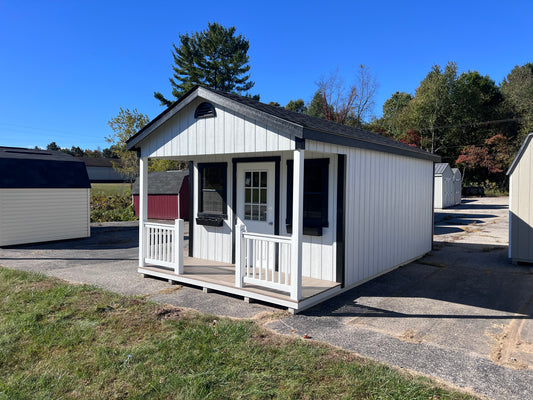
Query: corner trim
[[341, 220]]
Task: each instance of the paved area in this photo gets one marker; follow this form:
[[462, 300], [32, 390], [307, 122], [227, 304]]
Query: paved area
[[462, 314]]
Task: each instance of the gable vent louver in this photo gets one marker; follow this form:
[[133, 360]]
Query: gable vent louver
[[205, 110]]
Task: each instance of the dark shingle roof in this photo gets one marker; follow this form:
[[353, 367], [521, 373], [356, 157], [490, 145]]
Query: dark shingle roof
[[310, 127], [319, 124], [25, 168], [162, 182]]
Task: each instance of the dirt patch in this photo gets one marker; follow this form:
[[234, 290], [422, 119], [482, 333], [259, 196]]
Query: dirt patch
[[471, 228], [510, 350], [412, 336], [265, 317], [42, 286], [168, 312], [169, 290]]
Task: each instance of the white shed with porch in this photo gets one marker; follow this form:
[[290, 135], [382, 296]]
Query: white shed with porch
[[444, 190], [521, 204], [285, 208]]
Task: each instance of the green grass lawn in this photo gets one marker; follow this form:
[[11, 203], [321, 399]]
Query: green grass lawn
[[75, 341], [109, 189]]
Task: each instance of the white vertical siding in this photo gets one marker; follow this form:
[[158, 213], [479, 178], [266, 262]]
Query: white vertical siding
[[40, 215], [521, 208], [389, 218], [227, 133], [389, 210], [444, 189]]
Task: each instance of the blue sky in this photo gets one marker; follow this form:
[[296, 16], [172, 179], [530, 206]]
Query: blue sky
[[66, 67]]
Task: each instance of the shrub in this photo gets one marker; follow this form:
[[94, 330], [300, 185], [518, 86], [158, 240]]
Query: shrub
[[117, 207]]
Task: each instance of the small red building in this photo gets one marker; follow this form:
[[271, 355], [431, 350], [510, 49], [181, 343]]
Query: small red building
[[168, 195]]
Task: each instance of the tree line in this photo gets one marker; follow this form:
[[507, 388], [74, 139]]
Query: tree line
[[466, 118], [469, 120]]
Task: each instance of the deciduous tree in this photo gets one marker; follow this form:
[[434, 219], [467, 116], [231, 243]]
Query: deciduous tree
[[126, 124], [393, 108], [348, 104], [517, 89]]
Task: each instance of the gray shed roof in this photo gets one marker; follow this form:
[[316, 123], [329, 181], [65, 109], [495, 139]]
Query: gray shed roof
[[302, 125], [440, 168], [520, 153], [99, 161], [24, 168], [162, 182]]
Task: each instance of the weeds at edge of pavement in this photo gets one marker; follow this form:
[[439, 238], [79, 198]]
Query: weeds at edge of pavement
[[59, 340]]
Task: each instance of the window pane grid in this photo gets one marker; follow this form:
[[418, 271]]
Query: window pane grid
[[255, 195]]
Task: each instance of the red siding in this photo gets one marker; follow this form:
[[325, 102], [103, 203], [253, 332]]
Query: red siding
[[164, 206]]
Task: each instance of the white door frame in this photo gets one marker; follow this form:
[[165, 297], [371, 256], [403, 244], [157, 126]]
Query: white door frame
[[277, 161]]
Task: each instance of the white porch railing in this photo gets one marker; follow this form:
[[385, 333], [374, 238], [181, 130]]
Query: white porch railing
[[163, 245], [263, 260]]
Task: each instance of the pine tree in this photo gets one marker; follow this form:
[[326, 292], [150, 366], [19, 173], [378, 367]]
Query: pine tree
[[215, 58]]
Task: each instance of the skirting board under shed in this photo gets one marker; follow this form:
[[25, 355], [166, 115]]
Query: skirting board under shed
[[311, 298]]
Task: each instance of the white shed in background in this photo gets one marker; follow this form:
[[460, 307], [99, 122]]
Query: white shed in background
[[44, 196], [457, 185], [285, 208], [521, 204], [444, 191]]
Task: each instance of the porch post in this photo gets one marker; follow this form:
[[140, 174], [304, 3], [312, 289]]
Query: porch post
[[143, 207], [297, 225], [239, 256], [178, 246]]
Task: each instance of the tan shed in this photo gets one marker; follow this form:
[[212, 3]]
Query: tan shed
[[44, 196], [521, 204]]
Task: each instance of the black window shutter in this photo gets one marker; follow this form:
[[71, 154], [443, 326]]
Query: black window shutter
[[315, 216]]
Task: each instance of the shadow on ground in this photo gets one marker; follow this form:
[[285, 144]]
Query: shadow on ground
[[102, 238], [474, 275], [470, 204]]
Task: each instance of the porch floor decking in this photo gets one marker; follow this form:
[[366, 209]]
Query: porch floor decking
[[221, 277]]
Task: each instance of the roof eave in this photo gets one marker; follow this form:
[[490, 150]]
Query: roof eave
[[345, 140]]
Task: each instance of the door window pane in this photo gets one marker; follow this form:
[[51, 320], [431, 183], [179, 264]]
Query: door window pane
[[255, 195]]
